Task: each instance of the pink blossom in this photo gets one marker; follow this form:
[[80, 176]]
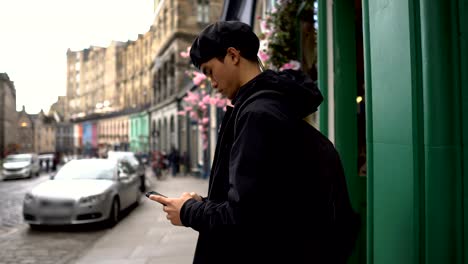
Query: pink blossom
[[264, 26], [201, 105], [181, 113], [199, 78], [221, 103], [206, 99], [214, 100], [294, 65], [192, 98], [263, 56], [185, 54], [205, 121]]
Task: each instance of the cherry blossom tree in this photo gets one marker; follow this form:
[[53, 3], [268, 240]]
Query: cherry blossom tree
[[197, 102]]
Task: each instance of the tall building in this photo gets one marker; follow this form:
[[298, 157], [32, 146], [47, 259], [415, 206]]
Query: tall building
[[44, 133], [105, 83], [25, 130], [8, 139], [176, 25]]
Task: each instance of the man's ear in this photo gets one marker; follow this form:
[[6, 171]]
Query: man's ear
[[234, 55]]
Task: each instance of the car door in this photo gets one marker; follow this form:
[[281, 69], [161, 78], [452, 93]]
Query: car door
[[140, 171], [126, 175], [35, 167]]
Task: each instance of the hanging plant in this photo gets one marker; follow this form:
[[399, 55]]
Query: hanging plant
[[279, 34], [196, 103]]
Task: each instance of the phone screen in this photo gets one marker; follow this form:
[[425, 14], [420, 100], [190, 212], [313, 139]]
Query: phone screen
[[155, 193]]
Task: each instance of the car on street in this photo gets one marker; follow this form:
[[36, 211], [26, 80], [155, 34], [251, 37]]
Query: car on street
[[83, 191], [20, 166], [133, 160]]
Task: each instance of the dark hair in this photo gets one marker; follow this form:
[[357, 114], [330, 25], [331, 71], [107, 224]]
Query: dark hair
[[216, 38]]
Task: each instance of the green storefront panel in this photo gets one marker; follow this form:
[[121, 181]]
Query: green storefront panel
[[394, 207], [394, 129]]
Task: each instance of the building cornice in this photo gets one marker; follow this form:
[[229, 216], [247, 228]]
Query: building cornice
[[97, 116]]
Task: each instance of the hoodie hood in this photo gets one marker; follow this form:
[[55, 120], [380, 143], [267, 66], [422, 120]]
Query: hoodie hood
[[297, 89]]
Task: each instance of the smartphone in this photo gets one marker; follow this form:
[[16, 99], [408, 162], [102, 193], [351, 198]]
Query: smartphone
[[155, 193]]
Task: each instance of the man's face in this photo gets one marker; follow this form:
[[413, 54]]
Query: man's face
[[223, 76]]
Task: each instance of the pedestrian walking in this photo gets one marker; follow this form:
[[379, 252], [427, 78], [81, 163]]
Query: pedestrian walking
[[174, 159], [277, 191], [157, 164]]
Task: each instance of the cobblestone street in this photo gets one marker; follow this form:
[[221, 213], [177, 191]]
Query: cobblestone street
[[12, 193], [20, 244], [52, 246]]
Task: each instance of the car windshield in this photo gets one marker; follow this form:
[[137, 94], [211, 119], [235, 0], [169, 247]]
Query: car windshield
[[86, 169], [17, 159]]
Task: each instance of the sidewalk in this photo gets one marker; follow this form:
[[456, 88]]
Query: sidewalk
[[145, 236]]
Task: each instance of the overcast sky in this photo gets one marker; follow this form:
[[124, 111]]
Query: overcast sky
[[35, 36]]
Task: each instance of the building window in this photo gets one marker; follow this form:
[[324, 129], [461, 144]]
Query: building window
[[203, 11]]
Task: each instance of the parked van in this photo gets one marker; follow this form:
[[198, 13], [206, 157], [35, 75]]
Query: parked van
[[20, 166]]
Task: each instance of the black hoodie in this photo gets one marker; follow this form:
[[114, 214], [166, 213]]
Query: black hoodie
[[270, 170]]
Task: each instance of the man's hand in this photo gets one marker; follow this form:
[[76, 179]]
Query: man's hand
[[196, 196], [172, 206]]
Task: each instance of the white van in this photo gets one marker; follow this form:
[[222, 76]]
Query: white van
[[20, 166]]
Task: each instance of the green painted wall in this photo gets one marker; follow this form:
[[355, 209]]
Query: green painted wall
[[369, 135], [442, 131], [345, 93], [323, 65], [139, 132], [416, 65], [463, 22], [395, 125]]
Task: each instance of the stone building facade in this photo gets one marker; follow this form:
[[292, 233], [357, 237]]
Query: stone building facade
[[8, 116], [25, 131], [175, 26], [144, 76], [44, 133]]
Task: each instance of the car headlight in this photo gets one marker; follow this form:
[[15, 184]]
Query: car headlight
[[28, 198], [93, 199]]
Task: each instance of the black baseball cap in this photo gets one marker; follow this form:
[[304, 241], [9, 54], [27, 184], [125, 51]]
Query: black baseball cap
[[214, 40]]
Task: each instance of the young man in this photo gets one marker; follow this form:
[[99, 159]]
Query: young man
[[277, 192]]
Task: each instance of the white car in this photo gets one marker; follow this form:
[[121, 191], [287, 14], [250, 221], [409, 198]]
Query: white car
[[83, 191], [136, 164], [20, 166]]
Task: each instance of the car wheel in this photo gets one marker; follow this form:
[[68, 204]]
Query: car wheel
[[37, 173], [114, 213]]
